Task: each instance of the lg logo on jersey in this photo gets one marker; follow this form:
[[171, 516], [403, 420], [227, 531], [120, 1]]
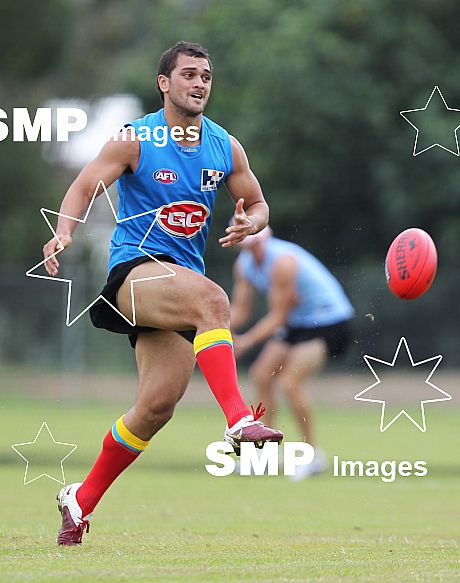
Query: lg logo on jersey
[[184, 218]]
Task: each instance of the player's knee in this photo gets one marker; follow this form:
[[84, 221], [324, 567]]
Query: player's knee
[[263, 374], [158, 411], [288, 385], [259, 375], [216, 306]]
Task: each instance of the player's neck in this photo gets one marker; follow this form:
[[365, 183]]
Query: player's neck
[[178, 117]]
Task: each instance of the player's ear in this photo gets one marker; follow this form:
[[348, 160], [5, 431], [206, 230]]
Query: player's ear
[[163, 83]]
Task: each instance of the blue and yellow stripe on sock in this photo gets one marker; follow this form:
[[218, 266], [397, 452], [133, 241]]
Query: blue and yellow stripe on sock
[[124, 436], [212, 338]]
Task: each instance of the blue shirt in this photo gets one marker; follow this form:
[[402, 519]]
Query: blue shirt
[[180, 185], [321, 300]]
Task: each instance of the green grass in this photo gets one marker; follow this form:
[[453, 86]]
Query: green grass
[[166, 519]]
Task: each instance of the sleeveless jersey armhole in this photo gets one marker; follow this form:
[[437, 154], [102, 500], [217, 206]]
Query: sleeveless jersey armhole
[[142, 144], [229, 154]]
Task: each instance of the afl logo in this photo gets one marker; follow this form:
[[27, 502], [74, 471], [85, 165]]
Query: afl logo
[[184, 218], [165, 176]]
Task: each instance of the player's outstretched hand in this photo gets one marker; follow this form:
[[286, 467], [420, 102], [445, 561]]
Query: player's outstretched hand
[[53, 246], [241, 228]]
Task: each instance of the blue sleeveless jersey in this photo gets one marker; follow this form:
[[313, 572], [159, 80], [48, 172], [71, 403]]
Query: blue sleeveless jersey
[[180, 185], [321, 300]]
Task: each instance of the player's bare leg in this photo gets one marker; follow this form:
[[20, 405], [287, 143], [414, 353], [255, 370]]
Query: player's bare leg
[[263, 372], [165, 361], [190, 301], [185, 301], [161, 384], [302, 362]]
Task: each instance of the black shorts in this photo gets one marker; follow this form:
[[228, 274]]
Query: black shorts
[[336, 336], [103, 316]]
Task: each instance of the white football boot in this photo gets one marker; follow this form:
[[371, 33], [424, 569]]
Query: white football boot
[[73, 523], [250, 429]]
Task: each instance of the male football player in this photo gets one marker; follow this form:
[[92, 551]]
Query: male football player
[[178, 319], [307, 320]]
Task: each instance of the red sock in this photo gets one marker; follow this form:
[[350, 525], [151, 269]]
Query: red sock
[[214, 354], [116, 455]]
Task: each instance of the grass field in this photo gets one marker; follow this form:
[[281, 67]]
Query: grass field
[[166, 519]]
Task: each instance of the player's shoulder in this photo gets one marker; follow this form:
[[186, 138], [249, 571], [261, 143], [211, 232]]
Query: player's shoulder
[[123, 147], [283, 257], [284, 271], [218, 139], [284, 265], [150, 120], [214, 129], [122, 143], [283, 247]]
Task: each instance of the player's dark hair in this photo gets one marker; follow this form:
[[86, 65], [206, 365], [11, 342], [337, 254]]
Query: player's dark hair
[[168, 59]]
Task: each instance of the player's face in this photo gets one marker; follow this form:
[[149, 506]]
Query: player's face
[[189, 85]]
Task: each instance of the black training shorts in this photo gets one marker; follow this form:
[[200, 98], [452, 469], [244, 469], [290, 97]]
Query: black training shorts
[[336, 336], [103, 316]]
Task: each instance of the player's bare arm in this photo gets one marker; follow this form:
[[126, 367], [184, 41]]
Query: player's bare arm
[[251, 210], [241, 301], [281, 299], [113, 159]]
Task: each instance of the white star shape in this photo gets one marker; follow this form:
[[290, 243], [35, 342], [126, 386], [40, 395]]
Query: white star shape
[[29, 444], [415, 153], [169, 271], [435, 359]]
